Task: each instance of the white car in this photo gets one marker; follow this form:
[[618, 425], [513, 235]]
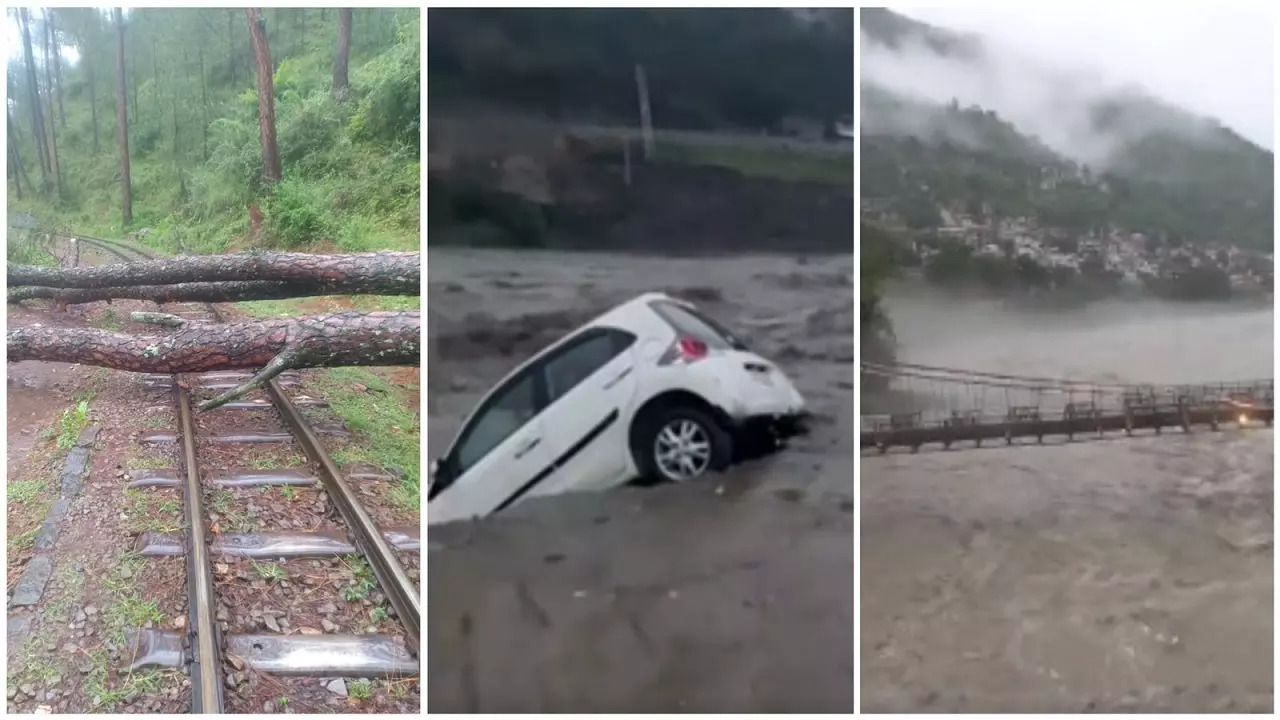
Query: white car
[[652, 390]]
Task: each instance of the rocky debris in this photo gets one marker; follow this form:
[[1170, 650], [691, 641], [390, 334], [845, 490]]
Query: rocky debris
[[337, 687]]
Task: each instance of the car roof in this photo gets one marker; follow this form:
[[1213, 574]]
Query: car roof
[[623, 315]]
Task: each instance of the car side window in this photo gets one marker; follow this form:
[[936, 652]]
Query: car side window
[[568, 368], [505, 413]]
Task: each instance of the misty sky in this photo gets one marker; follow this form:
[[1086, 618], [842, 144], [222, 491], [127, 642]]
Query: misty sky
[[1214, 62]]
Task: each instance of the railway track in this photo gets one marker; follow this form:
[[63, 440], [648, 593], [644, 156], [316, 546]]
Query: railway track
[[223, 650]]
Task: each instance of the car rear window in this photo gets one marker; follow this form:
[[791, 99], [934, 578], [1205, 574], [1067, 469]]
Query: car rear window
[[688, 322]]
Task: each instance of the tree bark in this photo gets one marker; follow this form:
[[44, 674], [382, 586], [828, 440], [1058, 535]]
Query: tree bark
[[382, 273], [231, 291], [271, 171], [53, 129], [93, 97], [37, 117], [20, 171], [57, 67], [14, 166], [344, 51], [122, 123], [204, 106], [338, 340], [231, 45]]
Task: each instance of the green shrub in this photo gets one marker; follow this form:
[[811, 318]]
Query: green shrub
[[297, 212]]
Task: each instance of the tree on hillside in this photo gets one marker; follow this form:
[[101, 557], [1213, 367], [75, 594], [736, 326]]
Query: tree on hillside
[[33, 98], [344, 50], [271, 171], [49, 91], [122, 123], [57, 65]]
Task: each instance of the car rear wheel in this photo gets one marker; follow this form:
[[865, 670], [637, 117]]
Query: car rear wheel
[[680, 444]]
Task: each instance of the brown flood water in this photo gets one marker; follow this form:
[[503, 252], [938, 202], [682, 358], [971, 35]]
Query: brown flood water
[[1098, 576], [734, 595]]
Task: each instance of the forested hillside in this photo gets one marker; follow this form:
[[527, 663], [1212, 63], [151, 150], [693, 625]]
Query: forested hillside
[[1151, 167], [184, 84], [707, 68]]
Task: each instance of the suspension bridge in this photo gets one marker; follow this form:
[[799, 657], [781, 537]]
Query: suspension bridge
[[912, 406]]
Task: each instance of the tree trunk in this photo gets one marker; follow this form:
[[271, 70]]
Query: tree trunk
[[57, 67], [37, 117], [204, 106], [381, 273], [338, 340], [122, 123], [13, 166], [343, 52], [229, 291], [133, 77], [53, 129], [93, 100], [231, 45], [271, 171], [20, 171]]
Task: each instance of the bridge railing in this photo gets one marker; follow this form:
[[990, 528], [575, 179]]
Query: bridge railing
[[919, 401]]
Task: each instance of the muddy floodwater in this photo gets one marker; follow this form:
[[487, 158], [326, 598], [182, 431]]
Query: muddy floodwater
[[732, 595], [1125, 574]]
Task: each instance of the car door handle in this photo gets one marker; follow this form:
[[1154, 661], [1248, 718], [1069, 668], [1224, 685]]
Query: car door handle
[[526, 447], [617, 378]]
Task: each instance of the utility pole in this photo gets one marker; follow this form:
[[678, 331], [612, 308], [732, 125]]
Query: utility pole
[[646, 120]]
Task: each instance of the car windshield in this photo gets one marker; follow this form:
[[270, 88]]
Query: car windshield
[[688, 322]]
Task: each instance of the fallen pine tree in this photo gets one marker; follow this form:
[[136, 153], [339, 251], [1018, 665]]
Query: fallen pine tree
[[229, 291], [336, 340], [380, 273]]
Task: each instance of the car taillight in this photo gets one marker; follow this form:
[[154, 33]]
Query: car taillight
[[685, 349], [692, 348]]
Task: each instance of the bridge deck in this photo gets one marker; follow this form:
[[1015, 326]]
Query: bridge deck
[[1009, 408], [1072, 428]]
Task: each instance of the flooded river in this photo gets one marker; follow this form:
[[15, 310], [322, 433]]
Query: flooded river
[[1127, 574], [732, 595]]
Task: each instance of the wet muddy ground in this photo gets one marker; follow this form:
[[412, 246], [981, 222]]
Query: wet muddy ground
[[1115, 575], [733, 595]]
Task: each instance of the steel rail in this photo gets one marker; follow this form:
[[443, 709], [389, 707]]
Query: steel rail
[[386, 567], [390, 573], [206, 686]]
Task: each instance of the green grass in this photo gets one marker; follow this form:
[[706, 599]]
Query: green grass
[[387, 428], [316, 305], [271, 572], [71, 423], [147, 462], [363, 583], [23, 541], [151, 514], [25, 491], [360, 689], [128, 609], [829, 167], [35, 664], [108, 321]]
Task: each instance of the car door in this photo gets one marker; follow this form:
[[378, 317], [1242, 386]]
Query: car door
[[590, 384], [501, 449]]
